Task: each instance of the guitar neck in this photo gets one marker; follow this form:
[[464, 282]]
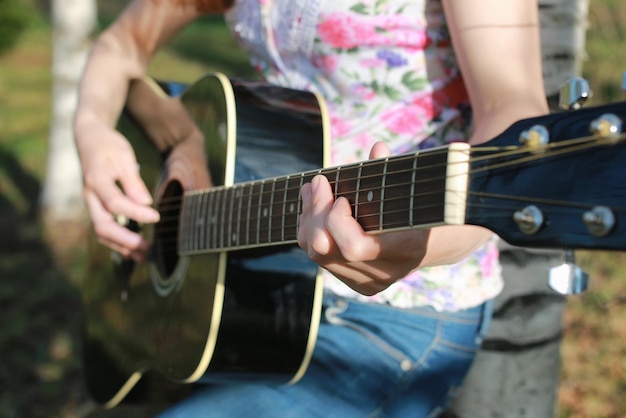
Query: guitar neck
[[422, 189]]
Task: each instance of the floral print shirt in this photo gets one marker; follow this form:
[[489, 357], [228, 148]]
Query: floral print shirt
[[387, 71]]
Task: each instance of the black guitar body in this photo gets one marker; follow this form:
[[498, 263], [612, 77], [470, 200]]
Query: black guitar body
[[216, 316]]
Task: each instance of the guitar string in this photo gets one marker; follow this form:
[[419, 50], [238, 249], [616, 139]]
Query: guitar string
[[267, 231], [253, 196], [175, 201], [585, 143]]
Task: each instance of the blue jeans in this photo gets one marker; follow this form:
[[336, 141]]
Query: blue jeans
[[369, 361]]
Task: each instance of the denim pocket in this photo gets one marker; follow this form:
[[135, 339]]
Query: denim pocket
[[342, 313]]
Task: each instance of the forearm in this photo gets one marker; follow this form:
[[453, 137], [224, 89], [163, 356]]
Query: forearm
[[498, 48], [452, 243], [105, 81], [122, 53]]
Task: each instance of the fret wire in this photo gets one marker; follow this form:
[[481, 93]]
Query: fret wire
[[223, 217], [299, 205], [282, 230], [271, 212], [336, 188], [181, 230], [382, 196], [200, 222], [357, 193], [192, 221], [258, 220], [192, 213], [182, 238], [215, 217], [251, 186], [189, 233], [412, 200], [230, 215], [240, 195], [245, 207], [197, 222], [293, 194], [205, 210], [208, 219]]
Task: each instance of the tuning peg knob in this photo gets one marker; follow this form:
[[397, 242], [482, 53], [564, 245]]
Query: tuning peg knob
[[568, 278], [574, 93]]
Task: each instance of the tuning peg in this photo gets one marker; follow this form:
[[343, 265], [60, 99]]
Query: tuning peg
[[574, 93], [568, 278]]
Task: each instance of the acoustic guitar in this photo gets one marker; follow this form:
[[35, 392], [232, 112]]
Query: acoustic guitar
[[226, 295]]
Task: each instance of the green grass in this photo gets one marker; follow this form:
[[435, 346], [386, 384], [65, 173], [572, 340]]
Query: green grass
[[39, 326]]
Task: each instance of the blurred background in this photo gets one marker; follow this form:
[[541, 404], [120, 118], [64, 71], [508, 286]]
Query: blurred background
[[42, 251]]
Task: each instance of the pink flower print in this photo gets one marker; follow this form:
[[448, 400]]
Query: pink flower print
[[489, 260], [408, 119], [363, 92], [326, 63], [392, 21], [418, 40], [339, 127], [342, 30], [364, 141], [428, 104], [372, 62]]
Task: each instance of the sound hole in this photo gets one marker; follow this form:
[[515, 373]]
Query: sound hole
[[166, 231]]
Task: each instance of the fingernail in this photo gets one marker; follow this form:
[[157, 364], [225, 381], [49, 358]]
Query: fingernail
[[305, 192], [315, 184]]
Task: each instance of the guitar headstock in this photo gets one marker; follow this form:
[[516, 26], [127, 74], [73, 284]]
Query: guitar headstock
[[556, 181]]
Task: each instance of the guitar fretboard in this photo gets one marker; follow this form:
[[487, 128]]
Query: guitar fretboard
[[389, 194]]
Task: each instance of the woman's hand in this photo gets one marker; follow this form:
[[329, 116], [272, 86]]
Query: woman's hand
[[113, 188], [335, 240]]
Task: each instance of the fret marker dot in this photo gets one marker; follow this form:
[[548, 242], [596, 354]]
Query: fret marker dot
[[233, 238], [370, 196], [292, 207], [265, 212]]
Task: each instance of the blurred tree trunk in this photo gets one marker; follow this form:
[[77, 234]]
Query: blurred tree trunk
[[517, 371], [74, 22]]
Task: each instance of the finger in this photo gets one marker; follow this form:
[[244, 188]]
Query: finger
[[133, 185], [111, 233], [348, 235], [380, 150], [319, 239], [115, 201]]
